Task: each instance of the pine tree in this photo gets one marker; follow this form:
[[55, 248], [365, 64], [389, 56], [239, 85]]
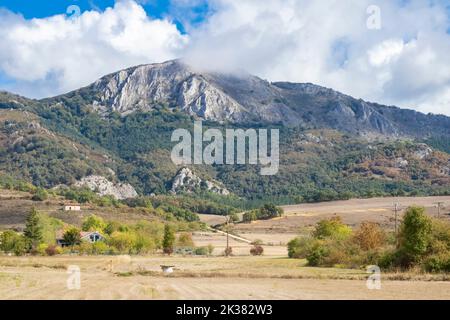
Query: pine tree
[[169, 239], [33, 230]]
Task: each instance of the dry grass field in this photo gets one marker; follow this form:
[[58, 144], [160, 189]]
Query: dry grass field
[[271, 276], [299, 218], [202, 278]]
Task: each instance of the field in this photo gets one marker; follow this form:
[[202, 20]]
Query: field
[[301, 218], [271, 276], [202, 278]]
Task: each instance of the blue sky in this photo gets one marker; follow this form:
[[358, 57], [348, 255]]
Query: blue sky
[[154, 8], [406, 62]]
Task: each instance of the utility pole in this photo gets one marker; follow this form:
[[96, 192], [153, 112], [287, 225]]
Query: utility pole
[[439, 204], [396, 215], [227, 252]]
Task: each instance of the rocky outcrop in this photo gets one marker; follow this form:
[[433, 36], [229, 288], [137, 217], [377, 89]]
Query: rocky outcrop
[[186, 181], [104, 187]]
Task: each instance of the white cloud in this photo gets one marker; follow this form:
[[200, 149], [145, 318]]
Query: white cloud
[[57, 54], [406, 62], [327, 42]]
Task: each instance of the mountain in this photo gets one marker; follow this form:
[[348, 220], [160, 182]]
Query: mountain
[[118, 129], [245, 98]]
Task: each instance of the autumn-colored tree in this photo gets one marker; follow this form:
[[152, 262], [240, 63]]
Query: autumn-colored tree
[[369, 236]]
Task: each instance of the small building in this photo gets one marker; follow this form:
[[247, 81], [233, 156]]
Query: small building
[[72, 208], [88, 236]]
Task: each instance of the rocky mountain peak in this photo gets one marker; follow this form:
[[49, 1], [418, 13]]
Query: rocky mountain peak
[[243, 98]]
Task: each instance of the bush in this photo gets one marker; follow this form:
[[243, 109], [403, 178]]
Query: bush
[[317, 253], [52, 250], [11, 242], [249, 216], [122, 241], [228, 251], [210, 249], [332, 228], [257, 250], [298, 248], [41, 249], [234, 217], [369, 236], [185, 240], [437, 263], [201, 251], [40, 195]]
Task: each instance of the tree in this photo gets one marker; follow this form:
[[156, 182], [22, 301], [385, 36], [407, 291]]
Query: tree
[[93, 223], [332, 228], [415, 235], [72, 237], [369, 236], [169, 239], [33, 230], [269, 211]]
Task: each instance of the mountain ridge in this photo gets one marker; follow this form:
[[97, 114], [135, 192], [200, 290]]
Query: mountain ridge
[[245, 98], [332, 146]]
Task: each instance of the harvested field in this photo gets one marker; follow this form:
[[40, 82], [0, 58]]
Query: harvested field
[[200, 278]]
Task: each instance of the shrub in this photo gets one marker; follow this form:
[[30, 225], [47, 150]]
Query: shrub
[[249, 216], [234, 217], [41, 248], [201, 251], [437, 263], [52, 250], [210, 249], [20, 246], [40, 195], [332, 228], [144, 244], [369, 236], [122, 241], [228, 251], [11, 242], [317, 253], [299, 247], [185, 240], [7, 240], [257, 250]]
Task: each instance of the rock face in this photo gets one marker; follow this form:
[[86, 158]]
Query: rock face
[[243, 98], [187, 181], [104, 187]]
